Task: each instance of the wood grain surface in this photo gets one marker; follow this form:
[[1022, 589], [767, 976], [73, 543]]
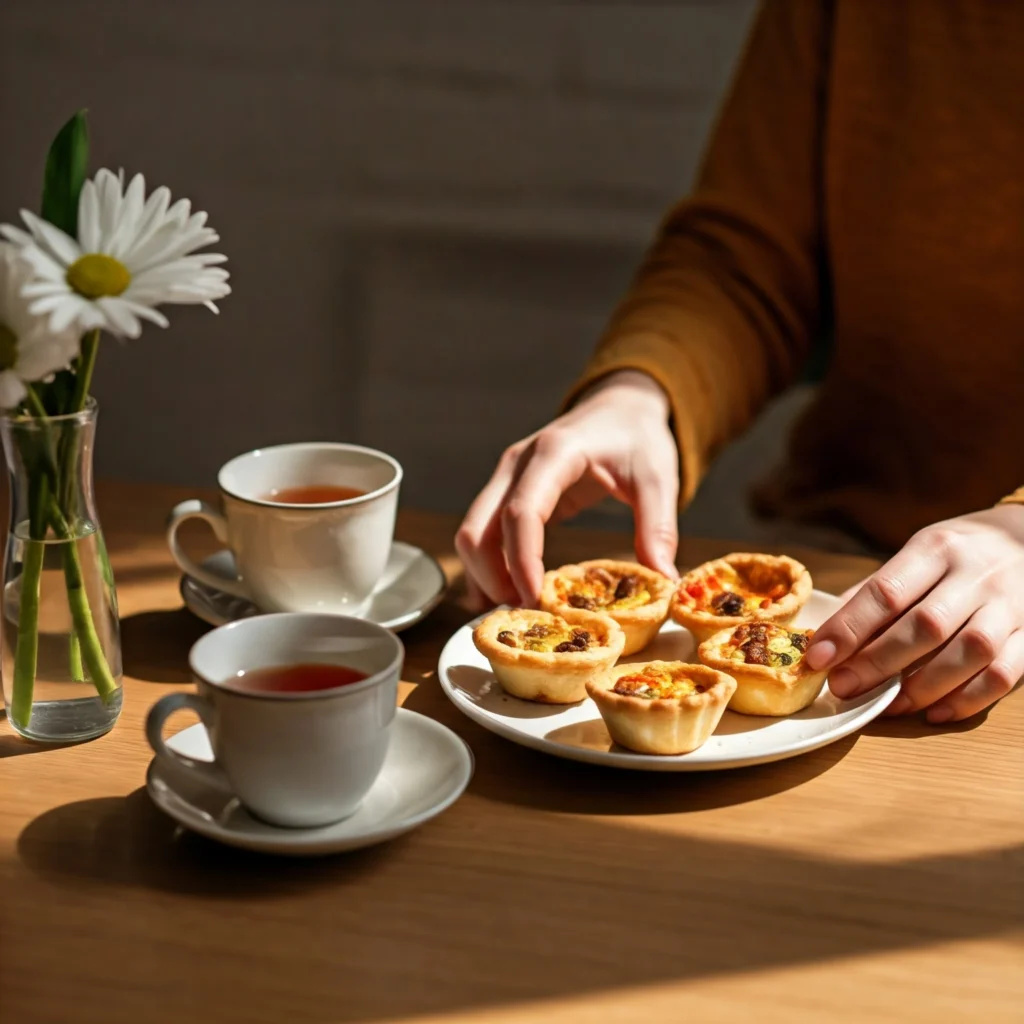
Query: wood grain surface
[[877, 879]]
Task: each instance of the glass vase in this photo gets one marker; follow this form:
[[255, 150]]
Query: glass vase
[[61, 643]]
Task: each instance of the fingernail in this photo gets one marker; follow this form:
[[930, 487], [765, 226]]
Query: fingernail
[[900, 705], [820, 655], [940, 714], [843, 683]]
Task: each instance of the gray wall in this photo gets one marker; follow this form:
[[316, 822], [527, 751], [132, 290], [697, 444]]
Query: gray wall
[[417, 199]]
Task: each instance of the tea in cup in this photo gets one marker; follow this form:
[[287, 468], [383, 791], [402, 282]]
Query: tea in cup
[[310, 525], [298, 708]]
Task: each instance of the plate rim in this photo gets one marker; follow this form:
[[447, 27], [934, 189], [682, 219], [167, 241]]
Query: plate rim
[[294, 846], [188, 587], [884, 694]]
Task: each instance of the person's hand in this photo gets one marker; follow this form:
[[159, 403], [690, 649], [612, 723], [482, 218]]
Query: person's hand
[[947, 612], [616, 440]]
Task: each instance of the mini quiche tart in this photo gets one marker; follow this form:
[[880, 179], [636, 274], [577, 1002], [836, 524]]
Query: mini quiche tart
[[739, 588], [766, 660], [662, 707], [635, 597], [548, 658]]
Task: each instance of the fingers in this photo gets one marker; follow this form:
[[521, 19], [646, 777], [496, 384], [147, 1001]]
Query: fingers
[[479, 539], [971, 651], [927, 626], [988, 686], [547, 472], [585, 494], [886, 595], [655, 504]]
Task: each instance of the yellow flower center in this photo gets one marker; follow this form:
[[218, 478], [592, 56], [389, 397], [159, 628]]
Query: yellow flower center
[[8, 348], [95, 275]]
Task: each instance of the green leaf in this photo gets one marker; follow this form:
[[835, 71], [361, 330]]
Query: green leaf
[[66, 167]]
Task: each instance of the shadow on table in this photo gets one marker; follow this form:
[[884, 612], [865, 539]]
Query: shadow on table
[[127, 841], [13, 745], [509, 773], [914, 727], [155, 645], [476, 910]]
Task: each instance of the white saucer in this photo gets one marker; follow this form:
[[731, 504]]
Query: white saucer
[[577, 732], [411, 587], [426, 770]]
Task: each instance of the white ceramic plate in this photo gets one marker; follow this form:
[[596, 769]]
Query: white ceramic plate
[[410, 589], [426, 770], [577, 732]]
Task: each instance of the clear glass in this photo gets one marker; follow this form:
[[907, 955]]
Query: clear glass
[[61, 643]]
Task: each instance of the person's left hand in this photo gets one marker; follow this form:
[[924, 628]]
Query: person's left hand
[[947, 612]]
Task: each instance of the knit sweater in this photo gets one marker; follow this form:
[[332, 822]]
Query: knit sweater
[[862, 202]]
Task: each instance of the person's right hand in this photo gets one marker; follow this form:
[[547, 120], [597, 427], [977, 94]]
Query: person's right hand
[[616, 440]]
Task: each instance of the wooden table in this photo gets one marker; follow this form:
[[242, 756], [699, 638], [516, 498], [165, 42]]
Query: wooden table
[[878, 879]]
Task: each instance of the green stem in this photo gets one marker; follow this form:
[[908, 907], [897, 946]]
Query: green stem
[[81, 614], [75, 668], [26, 650], [83, 381], [39, 412], [68, 448], [86, 364]]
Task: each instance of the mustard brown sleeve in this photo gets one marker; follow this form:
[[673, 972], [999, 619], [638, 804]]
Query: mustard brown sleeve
[[725, 307]]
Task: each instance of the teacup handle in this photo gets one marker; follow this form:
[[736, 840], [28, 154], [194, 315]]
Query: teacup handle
[[196, 509], [158, 715]]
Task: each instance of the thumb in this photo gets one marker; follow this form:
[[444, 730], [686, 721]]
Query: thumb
[[656, 524]]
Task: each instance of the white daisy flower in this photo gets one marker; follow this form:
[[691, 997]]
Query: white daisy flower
[[132, 254], [29, 350]]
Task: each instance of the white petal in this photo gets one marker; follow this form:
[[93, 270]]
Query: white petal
[[146, 312], [151, 220], [187, 268], [44, 265], [48, 303], [90, 317], [12, 391], [66, 313], [39, 288], [122, 320], [128, 217], [61, 245], [179, 212], [108, 189], [89, 218], [16, 235], [172, 243]]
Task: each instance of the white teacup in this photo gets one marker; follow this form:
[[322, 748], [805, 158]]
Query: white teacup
[[299, 759], [299, 558]]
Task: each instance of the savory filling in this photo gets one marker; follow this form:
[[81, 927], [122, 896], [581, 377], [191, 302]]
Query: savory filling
[[651, 683], [602, 590], [763, 643], [556, 637], [727, 593]]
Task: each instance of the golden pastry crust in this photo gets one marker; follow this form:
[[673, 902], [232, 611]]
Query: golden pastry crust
[[662, 716], [738, 588], [549, 676], [637, 598], [766, 660]]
